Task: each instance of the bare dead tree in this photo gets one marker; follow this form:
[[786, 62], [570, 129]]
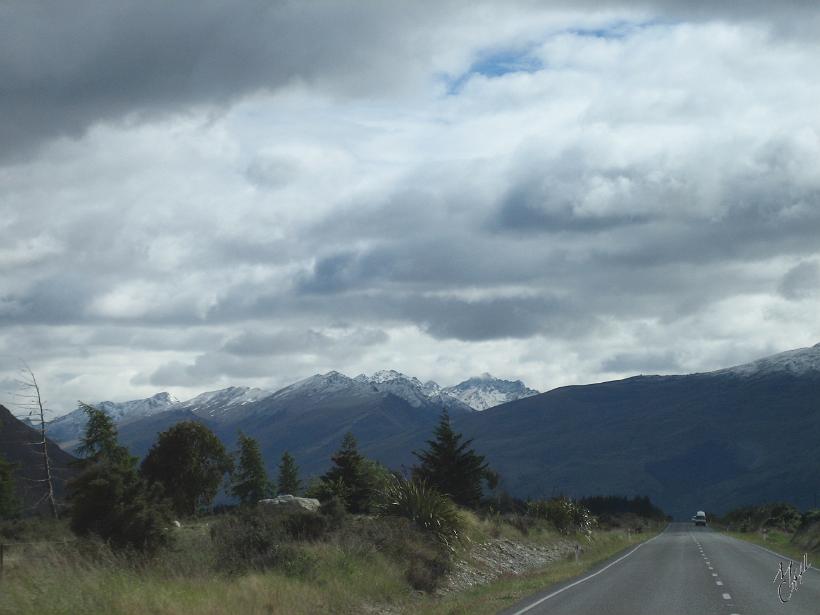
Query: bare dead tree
[[32, 406]]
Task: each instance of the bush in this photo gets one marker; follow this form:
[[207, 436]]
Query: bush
[[260, 540], [780, 516], [425, 559], [110, 501], [565, 515], [306, 526], [424, 506]]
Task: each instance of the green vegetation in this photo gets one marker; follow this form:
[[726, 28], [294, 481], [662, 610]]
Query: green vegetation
[[378, 541], [452, 466], [9, 504], [424, 506], [250, 480], [353, 478], [288, 481], [777, 526], [109, 500], [189, 461]]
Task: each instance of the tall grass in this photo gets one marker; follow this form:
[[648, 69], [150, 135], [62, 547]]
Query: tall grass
[[430, 510]]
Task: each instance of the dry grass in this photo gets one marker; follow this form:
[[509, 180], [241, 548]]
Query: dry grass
[[347, 576]]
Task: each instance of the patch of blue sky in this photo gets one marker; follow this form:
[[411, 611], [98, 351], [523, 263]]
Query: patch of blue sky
[[496, 64]]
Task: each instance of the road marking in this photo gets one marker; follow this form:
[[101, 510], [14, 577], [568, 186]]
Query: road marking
[[718, 582], [727, 597], [714, 574], [579, 581]]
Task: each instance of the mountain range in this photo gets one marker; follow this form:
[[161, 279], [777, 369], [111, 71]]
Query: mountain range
[[230, 404], [707, 441]]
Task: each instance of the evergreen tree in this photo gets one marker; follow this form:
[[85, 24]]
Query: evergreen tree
[[108, 498], [189, 461], [250, 480], [452, 466], [99, 442], [9, 504], [288, 482], [349, 477]]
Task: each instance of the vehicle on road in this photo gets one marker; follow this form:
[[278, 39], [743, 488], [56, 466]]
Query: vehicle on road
[[699, 518]]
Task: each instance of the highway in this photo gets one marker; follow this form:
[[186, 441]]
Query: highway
[[685, 570]]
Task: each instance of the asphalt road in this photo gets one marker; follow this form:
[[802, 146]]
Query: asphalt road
[[685, 570]]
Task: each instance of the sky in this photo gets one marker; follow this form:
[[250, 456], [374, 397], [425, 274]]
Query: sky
[[201, 194]]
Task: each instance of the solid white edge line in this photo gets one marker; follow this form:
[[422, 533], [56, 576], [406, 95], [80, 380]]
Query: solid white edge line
[[587, 578], [769, 551]]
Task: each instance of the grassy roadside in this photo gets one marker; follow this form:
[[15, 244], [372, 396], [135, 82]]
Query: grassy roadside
[[775, 540], [506, 591]]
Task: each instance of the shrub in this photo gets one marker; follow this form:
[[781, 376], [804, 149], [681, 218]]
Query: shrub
[[260, 540], [305, 525], [565, 515], [425, 559], [424, 506], [111, 501]]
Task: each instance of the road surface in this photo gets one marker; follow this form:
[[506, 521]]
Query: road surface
[[685, 570]]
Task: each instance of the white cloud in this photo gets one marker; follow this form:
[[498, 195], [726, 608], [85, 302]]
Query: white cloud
[[527, 191]]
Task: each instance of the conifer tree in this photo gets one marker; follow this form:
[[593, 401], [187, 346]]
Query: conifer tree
[[99, 442], [108, 498], [349, 472], [452, 466], [250, 480], [288, 482]]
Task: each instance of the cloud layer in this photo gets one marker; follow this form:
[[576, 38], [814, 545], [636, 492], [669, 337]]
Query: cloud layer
[[193, 198]]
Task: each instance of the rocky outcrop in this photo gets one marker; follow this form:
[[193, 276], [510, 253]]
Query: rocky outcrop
[[292, 503]]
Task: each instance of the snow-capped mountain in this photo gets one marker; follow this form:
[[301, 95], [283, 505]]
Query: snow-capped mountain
[[318, 386], [412, 390], [217, 403], [486, 391], [68, 428], [797, 362], [137, 408]]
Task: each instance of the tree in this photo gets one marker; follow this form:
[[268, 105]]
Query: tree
[[452, 466], [288, 482], [9, 504], [99, 442], [33, 407], [350, 478], [189, 461], [112, 501], [108, 498], [250, 480]]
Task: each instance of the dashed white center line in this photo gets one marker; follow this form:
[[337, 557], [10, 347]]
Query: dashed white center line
[[727, 597], [714, 574], [718, 582]]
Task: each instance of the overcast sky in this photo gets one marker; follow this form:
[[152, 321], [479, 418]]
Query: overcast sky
[[202, 194]]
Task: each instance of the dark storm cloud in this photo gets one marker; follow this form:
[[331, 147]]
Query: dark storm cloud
[[256, 343], [801, 281], [65, 66]]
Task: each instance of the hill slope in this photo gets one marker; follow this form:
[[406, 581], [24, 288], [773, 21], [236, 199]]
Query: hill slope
[[15, 445]]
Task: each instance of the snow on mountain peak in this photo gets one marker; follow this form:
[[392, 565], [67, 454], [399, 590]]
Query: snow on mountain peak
[[795, 362], [486, 391]]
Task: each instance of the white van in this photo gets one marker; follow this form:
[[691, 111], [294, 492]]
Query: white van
[[699, 518]]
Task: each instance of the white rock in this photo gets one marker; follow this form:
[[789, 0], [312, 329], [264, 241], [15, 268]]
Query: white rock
[[291, 502]]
